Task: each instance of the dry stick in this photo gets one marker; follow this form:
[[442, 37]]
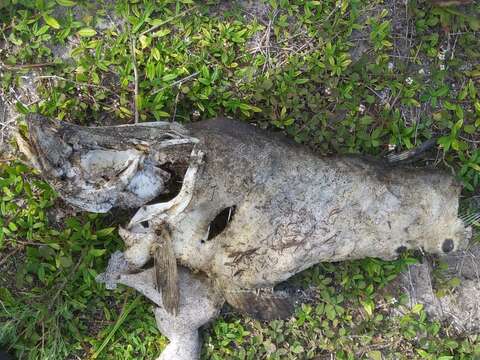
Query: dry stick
[[294, 53], [5, 259], [135, 73], [126, 309], [168, 20], [74, 270], [56, 77], [469, 140], [178, 82], [176, 103], [27, 66], [376, 93]]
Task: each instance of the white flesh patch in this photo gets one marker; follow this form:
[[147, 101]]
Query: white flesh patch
[[148, 182], [108, 163]]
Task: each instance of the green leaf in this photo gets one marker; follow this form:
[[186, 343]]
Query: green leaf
[[161, 33], [369, 306], [66, 2], [474, 166], [477, 106], [472, 91], [41, 274], [66, 261], [445, 142], [87, 32], [160, 113], [12, 226], [449, 106], [6, 296], [169, 77], [105, 232], [51, 21], [156, 54], [21, 108], [330, 312], [97, 252], [417, 308], [375, 355], [297, 348], [42, 30], [469, 129]]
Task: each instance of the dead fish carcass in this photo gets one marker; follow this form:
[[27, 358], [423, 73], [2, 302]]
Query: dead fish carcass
[[253, 208]]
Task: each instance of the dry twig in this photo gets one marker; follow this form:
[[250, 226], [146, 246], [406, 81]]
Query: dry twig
[[26, 66], [135, 73], [61, 78], [176, 83], [11, 253], [155, 27]]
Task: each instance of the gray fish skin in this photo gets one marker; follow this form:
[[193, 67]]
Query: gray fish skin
[[293, 208]]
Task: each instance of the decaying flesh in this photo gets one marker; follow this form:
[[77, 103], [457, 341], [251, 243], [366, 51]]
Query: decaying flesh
[[283, 207]]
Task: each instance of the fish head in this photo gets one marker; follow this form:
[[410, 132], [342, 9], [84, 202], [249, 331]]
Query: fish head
[[97, 168]]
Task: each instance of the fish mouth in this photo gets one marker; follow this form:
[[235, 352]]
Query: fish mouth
[[44, 148], [97, 168], [27, 150]]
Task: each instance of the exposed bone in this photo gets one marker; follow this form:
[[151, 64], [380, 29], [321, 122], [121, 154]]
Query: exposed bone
[[198, 304], [139, 245], [178, 204], [293, 208], [140, 239]]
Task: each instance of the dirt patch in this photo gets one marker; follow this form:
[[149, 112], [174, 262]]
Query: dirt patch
[[460, 307], [25, 93]]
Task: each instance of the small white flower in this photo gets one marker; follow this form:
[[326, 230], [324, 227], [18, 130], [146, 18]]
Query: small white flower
[[390, 66], [441, 56], [409, 80], [391, 147], [442, 67], [328, 91], [421, 71], [196, 114], [361, 109]]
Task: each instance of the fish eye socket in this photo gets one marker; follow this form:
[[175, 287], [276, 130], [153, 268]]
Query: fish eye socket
[[401, 249], [447, 246]]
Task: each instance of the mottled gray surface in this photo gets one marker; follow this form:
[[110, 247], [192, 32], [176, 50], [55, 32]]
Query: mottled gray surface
[[293, 208]]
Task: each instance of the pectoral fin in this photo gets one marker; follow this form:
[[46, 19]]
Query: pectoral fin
[[166, 273]]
